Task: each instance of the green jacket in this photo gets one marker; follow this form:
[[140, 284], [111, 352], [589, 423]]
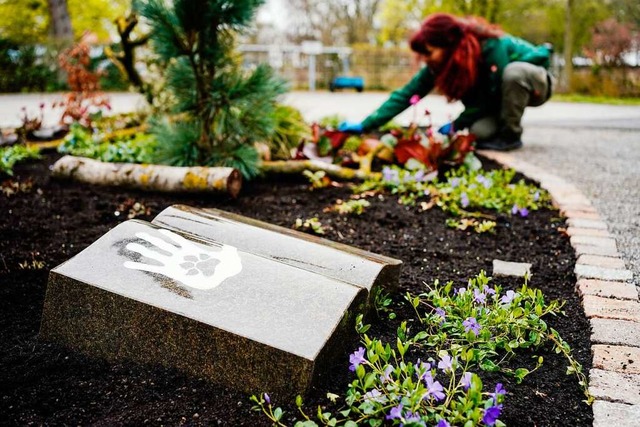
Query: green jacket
[[483, 99]]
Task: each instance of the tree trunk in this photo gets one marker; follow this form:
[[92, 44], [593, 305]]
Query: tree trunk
[[150, 177], [60, 24], [568, 46]]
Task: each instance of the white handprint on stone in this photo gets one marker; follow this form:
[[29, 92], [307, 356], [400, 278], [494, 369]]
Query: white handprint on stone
[[188, 263]]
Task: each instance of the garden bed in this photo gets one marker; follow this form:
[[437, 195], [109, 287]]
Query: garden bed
[[42, 383]]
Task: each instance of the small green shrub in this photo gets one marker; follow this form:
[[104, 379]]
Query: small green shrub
[[9, 156]]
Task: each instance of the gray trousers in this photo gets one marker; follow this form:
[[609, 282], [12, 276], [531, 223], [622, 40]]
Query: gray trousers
[[523, 85]]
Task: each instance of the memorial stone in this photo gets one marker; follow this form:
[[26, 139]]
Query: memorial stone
[[211, 304], [339, 261]]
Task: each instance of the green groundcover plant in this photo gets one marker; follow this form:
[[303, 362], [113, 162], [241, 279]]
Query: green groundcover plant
[[468, 195], [430, 377], [9, 156]]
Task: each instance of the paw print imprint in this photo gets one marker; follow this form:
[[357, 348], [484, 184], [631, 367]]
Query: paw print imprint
[[203, 264]]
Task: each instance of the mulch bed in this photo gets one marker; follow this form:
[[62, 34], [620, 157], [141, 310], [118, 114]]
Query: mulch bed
[[42, 383]]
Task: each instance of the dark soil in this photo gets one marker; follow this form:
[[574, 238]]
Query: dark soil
[[42, 383]]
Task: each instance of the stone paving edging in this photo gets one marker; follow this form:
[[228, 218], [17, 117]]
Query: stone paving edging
[[609, 300]]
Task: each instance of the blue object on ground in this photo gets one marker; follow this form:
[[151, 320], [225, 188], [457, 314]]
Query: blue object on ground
[[353, 127], [446, 129], [345, 82]]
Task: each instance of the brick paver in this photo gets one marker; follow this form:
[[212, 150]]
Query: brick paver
[[581, 214], [578, 222], [609, 414], [595, 250], [603, 242], [608, 308], [615, 386], [601, 261], [592, 272], [607, 289], [612, 331], [616, 358], [595, 232]]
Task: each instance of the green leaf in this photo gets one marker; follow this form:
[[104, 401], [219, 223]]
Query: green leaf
[[277, 414]]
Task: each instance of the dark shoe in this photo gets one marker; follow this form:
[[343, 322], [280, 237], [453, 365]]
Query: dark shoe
[[499, 144]]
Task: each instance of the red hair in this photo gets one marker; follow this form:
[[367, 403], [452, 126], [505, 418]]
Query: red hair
[[461, 38]]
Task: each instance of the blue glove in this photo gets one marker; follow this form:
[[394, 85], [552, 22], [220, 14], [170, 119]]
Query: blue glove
[[353, 127], [446, 129]]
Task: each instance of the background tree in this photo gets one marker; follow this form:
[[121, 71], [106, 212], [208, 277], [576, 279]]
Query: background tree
[[220, 110], [609, 42], [333, 21]]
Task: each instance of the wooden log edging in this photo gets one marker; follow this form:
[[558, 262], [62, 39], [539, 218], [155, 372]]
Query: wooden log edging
[[610, 301], [150, 177]]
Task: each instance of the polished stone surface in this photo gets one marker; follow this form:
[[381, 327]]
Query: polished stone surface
[[152, 295], [338, 261]]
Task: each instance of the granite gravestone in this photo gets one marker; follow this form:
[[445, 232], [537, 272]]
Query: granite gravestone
[[339, 261], [150, 294]]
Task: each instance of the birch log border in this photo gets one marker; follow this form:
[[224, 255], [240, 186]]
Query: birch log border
[[149, 177]]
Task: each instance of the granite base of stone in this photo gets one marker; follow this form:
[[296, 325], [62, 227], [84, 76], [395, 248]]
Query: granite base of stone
[[146, 294]]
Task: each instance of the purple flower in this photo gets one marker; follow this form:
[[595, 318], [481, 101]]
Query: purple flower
[[443, 423], [464, 200], [454, 182], [419, 175], [487, 290], [460, 291], [386, 375], [434, 389], [441, 313], [486, 182], [445, 363], [390, 175], [523, 212], [491, 415], [466, 380], [395, 413], [426, 367], [500, 391], [410, 417], [267, 399], [471, 324], [479, 297], [536, 196], [508, 297], [514, 209], [356, 359]]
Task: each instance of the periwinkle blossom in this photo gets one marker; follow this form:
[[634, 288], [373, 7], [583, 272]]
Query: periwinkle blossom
[[465, 382], [491, 415], [443, 423], [413, 418], [425, 368], [434, 389], [536, 196], [356, 359], [454, 182], [499, 391], [445, 363], [508, 297], [471, 324], [486, 182], [489, 291], [460, 291], [395, 413], [418, 176], [267, 399], [390, 175], [441, 313], [386, 374], [464, 200], [479, 297], [523, 212]]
